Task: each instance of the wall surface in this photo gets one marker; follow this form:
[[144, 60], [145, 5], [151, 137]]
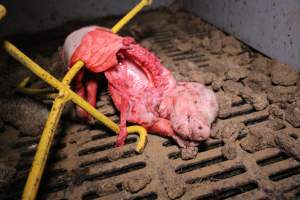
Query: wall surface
[[270, 26], [39, 15]]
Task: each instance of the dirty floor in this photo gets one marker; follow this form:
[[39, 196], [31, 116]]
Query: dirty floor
[[253, 152]]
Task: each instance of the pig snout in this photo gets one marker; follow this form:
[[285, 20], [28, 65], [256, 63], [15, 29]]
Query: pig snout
[[192, 112], [192, 128], [200, 131]]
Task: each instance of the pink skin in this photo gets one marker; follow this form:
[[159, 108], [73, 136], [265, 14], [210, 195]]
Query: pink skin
[[191, 108], [142, 89]]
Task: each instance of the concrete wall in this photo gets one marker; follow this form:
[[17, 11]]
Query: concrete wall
[[270, 26], [39, 15]]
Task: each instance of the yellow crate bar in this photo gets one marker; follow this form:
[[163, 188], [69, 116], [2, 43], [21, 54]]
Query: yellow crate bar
[[65, 94], [130, 15]]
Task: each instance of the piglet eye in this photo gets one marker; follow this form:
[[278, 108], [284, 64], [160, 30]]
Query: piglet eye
[[200, 127]]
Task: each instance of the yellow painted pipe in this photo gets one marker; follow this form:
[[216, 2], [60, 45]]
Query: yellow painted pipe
[[40, 72], [30, 64], [43, 93], [65, 94], [141, 143], [42, 152], [130, 15], [72, 72], [41, 155], [109, 123], [2, 11], [115, 29]]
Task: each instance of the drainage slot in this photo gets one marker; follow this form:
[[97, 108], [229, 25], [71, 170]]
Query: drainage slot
[[28, 153], [272, 159], [168, 143], [126, 154], [294, 135], [201, 59], [100, 136], [24, 165], [148, 196], [26, 142], [203, 65], [212, 145], [285, 173], [238, 103], [56, 188], [97, 194], [94, 162], [190, 167], [201, 148], [219, 176], [297, 193], [241, 135], [56, 157], [245, 111], [256, 120], [103, 147], [174, 155], [171, 49], [163, 41], [228, 192], [116, 171], [56, 172], [186, 57], [178, 54], [90, 195]]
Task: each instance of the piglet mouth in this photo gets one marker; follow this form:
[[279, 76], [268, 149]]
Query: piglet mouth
[[184, 143], [191, 136]]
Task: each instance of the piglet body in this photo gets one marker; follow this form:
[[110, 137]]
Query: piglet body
[[143, 90]]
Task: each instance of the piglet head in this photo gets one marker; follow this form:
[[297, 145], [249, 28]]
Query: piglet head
[[194, 108], [187, 121]]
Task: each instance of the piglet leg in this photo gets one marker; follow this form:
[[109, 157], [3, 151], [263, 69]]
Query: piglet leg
[[89, 94], [162, 127], [123, 132], [91, 87], [80, 90]]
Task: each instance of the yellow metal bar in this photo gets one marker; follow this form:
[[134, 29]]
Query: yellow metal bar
[[44, 93], [72, 72], [114, 29], [95, 113], [41, 155], [30, 64], [109, 123], [41, 93], [130, 15], [65, 94], [2, 11], [18, 55], [141, 143], [23, 83], [44, 145]]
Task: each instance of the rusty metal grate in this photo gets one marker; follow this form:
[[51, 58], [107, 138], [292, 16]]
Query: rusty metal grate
[[79, 165]]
